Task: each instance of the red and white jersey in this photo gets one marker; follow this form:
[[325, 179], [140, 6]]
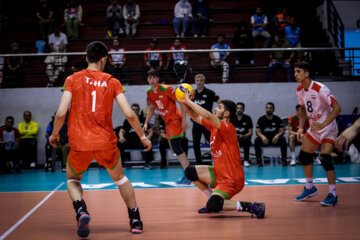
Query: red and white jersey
[[317, 100]]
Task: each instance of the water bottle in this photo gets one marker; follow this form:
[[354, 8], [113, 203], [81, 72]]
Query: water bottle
[[276, 160], [58, 166], [271, 160]]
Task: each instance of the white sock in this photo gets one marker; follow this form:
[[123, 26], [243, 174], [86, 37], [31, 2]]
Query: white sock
[[309, 183], [208, 192], [293, 156], [332, 189], [238, 206]]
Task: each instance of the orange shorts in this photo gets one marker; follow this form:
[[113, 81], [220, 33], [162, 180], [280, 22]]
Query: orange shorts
[[80, 161], [226, 188], [174, 129]]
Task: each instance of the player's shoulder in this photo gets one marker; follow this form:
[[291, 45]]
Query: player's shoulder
[[299, 88], [293, 117], [164, 87], [316, 86]]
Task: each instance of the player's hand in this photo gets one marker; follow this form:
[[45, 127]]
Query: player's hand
[[145, 127], [345, 138], [300, 135], [147, 143], [54, 139], [184, 125], [122, 139], [275, 139], [265, 140], [315, 126]]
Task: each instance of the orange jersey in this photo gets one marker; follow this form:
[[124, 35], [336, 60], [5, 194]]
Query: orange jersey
[[225, 152], [90, 125], [164, 100]]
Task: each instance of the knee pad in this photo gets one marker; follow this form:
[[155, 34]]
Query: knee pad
[[306, 158], [123, 180], [326, 162], [215, 203], [176, 146], [191, 174]]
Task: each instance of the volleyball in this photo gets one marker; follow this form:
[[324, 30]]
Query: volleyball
[[181, 91]]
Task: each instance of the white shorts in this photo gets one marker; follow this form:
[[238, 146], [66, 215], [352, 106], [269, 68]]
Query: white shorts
[[326, 135]]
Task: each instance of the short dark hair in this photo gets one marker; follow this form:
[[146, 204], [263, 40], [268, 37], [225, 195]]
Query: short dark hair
[[231, 107], [297, 106], [153, 72], [303, 65], [272, 104], [10, 117], [27, 112], [220, 35], [135, 105], [95, 51], [242, 104]]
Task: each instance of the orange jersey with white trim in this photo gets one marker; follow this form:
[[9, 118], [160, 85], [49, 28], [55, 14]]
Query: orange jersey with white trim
[[317, 100], [90, 125], [225, 151], [164, 100]]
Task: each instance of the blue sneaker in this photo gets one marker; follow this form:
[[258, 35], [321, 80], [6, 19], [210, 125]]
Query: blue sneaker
[[307, 193], [329, 200], [258, 209], [184, 181]]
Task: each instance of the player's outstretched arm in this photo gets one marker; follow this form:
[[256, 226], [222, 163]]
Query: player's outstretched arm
[[193, 115], [347, 136], [60, 117], [133, 119], [202, 111], [334, 113]]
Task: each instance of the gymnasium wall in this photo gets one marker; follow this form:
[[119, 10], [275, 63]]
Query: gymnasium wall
[[43, 102]]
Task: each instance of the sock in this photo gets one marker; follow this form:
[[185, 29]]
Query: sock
[[293, 156], [80, 208], [332, 189], [238, 206], [309, 183], [207, 192]]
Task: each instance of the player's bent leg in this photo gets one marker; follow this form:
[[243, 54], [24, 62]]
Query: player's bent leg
[[215, 203]]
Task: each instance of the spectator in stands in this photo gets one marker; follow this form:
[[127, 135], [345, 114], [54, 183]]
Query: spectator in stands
[[44, 14], [220, 59], [128, 139], [57, 38], [292, 33], [244, 130], [183, 15], [114, 18], [28, 140], [154, 122], [2, 63], [270, 132], [73, 14], [55, 66], [79, 64], [164, 145], [131, 14], [293, 127], [14, 71], [243, 39], [259, 22], [282, 19], [280, 58], [117, 61], [205, 98], [9, 142], [179, 61], [153, 61], [201, 18]]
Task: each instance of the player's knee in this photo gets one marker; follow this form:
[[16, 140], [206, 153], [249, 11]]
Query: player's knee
[[123, 179], [306, 158], [326, 162], [215, 203], [176, 146], [191, 174]]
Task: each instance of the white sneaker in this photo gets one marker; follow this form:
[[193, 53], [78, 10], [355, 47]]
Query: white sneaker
[[252, 62], [121, 31], [246, 163], [293, 163], [182, 35], [195, 35], [33, 165]]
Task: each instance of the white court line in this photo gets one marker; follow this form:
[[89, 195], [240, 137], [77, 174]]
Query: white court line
[[30, 212]]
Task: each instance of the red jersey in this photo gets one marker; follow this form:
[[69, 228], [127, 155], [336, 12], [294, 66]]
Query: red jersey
[[153, 56], [293, 121], [90, 125], [225, 151], [164, 100]]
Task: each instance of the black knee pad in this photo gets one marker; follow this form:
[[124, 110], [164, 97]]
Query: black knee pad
[[176, 145], [215, 203], [191, 174], [326, 162], [306, 158]]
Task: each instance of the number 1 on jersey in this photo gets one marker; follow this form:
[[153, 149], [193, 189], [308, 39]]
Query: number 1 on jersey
[[93, 94]]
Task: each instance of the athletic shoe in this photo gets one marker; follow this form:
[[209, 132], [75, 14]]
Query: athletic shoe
[[307, 193], [259, 163], [203, 210], [147, 167], [246, 163], [293, 163], [329, 200], [83, 229], [184, 181], [284, 162], [136, 225], [258, 209], [33, 165], [164, 167]]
